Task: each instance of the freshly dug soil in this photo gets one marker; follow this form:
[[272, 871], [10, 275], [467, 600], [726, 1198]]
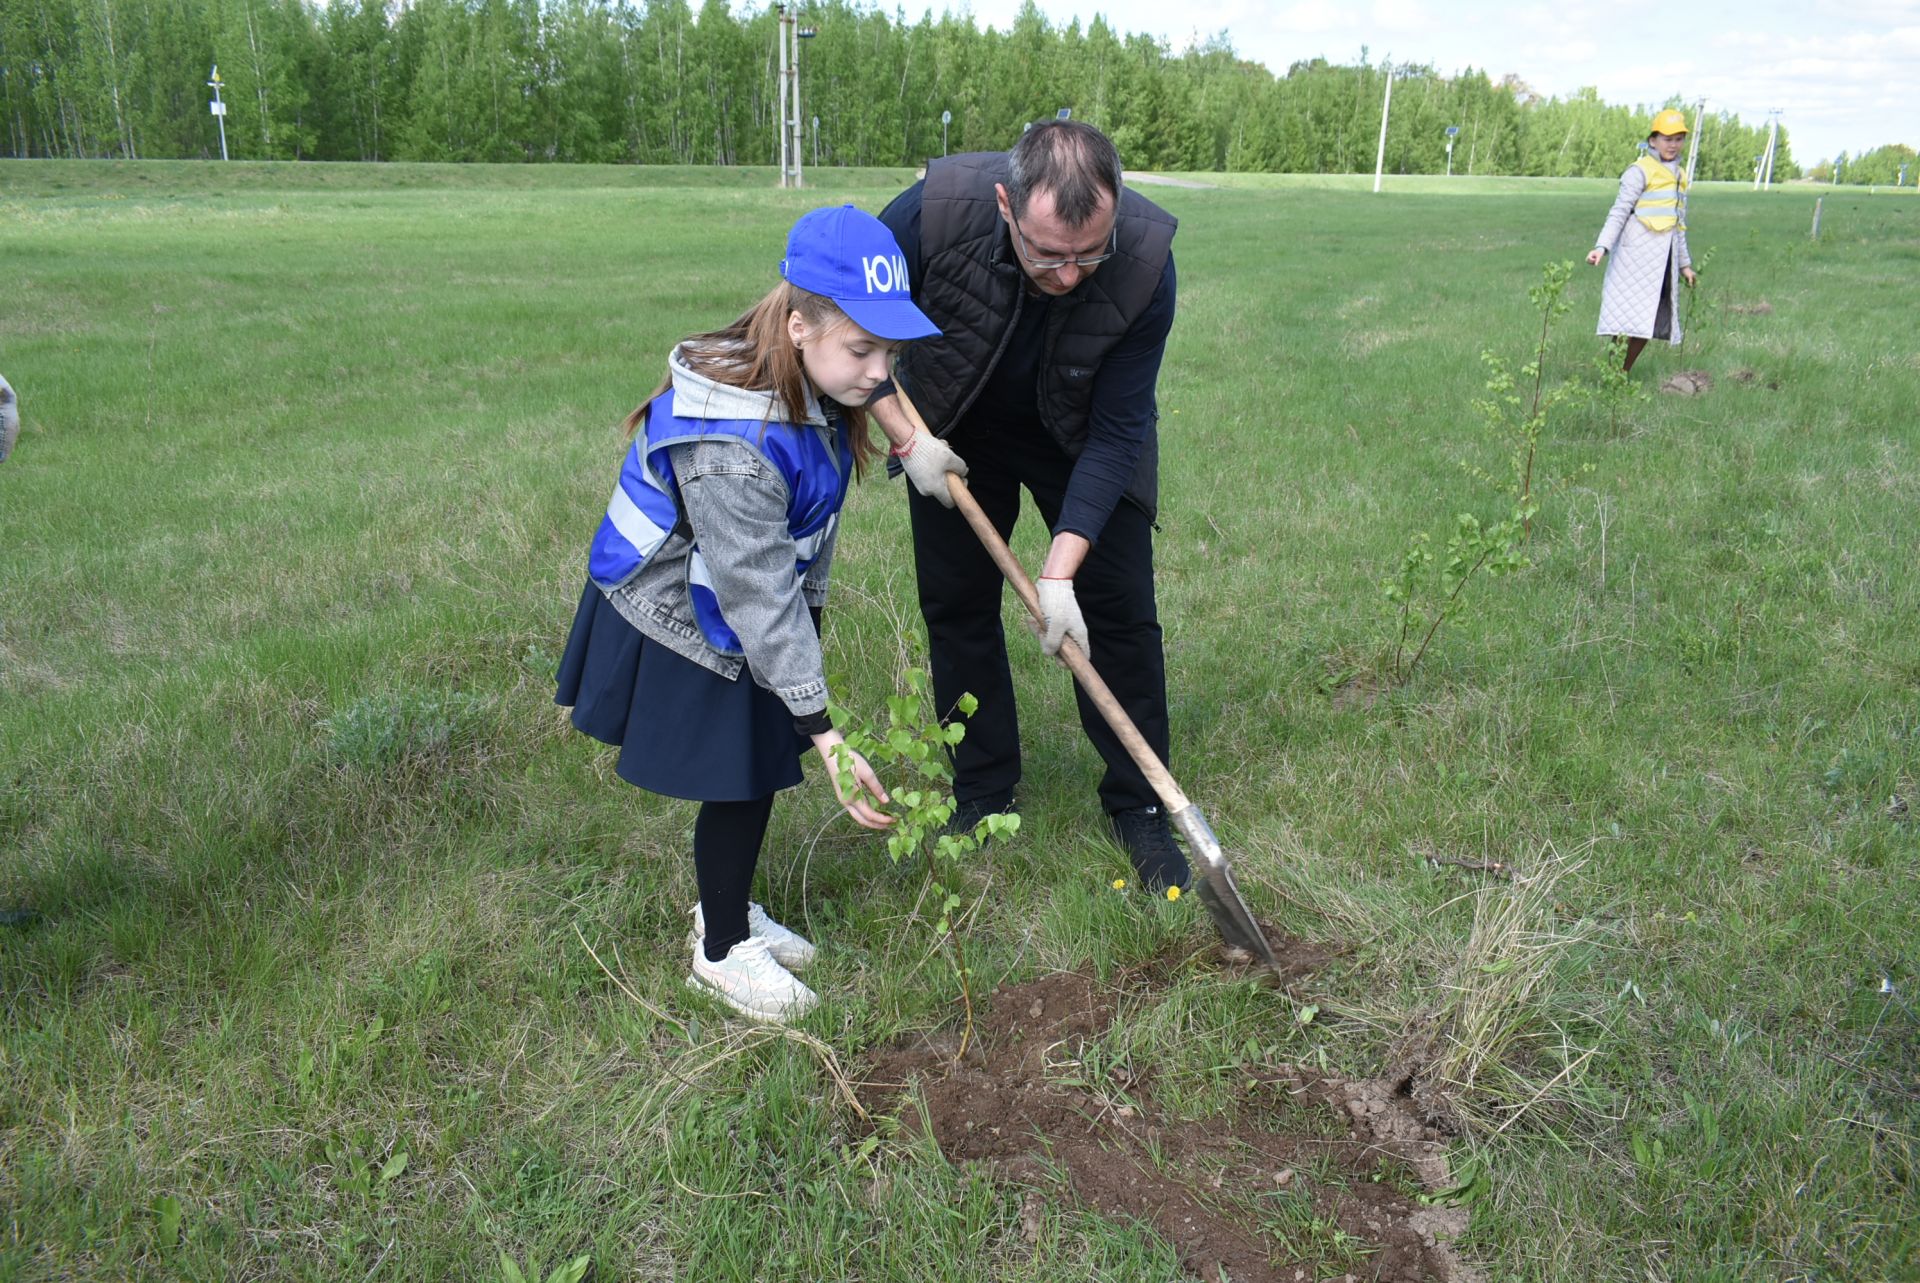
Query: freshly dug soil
[[1689, 383], [1022, 1101]]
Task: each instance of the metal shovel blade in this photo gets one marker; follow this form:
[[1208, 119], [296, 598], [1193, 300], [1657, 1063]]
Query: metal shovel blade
[[1217, 889]]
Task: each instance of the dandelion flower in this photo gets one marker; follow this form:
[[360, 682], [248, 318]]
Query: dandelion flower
[[1173, 893], [1119, 884]]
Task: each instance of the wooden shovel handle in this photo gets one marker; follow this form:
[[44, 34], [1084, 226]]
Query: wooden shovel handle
[[1070, 654]]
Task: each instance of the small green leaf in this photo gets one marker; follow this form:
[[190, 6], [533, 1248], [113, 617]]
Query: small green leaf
[[967, 705], [509, 1271], [1471, 1182], [1306, 1014], [167, 1216], [572, 1272], [393, 1167]]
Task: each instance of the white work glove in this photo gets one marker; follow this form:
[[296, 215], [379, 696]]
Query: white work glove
[[1064, 620], [927, 461], [9, 419]]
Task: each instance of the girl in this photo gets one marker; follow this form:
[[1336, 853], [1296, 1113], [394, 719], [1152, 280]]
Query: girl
[[696, 645], [1647, 237]]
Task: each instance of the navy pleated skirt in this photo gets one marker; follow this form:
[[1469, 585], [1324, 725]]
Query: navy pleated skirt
[[682, 730]]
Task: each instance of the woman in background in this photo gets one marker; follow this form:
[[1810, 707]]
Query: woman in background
[[1646, 235]]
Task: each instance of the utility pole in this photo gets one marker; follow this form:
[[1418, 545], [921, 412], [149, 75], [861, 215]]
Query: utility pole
[[799, 33], [219, 108], [946, 118], [1773, 146], [781, 97], [792, 123], [1693, 141], [1386, 105]]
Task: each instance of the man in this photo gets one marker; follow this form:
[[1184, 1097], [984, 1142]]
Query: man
[[1054, 289]]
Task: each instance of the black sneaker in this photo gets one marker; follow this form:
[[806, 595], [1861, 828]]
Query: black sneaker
[[968, 814], [1148, 839]]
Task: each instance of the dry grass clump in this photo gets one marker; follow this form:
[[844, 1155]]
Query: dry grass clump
[[1503, 1039]]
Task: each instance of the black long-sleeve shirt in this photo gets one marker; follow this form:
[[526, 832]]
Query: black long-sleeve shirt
[[1123, 411]]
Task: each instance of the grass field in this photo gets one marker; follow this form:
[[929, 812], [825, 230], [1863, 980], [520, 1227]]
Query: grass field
[[297, 522]]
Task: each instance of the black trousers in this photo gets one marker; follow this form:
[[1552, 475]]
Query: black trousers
[[960, 595]]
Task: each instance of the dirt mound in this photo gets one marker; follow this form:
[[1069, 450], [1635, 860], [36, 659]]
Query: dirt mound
[[1762, 308], [1689, 383], [1231, 1192], [1747, 376]]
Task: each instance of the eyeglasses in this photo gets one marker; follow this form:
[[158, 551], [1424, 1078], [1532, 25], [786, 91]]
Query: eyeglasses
[[1054, 264]]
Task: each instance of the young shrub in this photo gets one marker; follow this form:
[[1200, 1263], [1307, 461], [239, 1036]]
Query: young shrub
[[1425, 592], [917, 744]]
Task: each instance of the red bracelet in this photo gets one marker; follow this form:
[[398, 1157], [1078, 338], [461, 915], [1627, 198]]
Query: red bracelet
[[901, 452]]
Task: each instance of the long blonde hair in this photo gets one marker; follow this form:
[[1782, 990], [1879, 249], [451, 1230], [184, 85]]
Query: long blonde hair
[[756, 353]]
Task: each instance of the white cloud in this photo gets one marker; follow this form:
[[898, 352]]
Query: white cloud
[[1577, 53], [1310, 16], [1402, 15]]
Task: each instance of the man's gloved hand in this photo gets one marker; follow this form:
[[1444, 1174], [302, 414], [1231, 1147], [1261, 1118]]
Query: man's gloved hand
[[1064, 620], [927, 460]]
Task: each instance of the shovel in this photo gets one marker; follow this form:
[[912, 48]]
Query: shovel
[[1216, 887]]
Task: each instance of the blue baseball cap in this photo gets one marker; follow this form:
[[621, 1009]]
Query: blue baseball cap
[[849, 256]]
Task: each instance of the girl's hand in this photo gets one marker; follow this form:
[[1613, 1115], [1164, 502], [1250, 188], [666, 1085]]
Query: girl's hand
[[834, 752], [1593, 259], [1691, 275]]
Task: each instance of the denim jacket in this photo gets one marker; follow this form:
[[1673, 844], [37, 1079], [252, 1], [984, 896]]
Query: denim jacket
[[735, 502]]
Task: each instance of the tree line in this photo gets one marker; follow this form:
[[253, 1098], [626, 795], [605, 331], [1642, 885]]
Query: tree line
[[1888, 166], [657, 82]]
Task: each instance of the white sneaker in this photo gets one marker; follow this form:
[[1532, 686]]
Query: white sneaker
[[790, 949], [752, 983]]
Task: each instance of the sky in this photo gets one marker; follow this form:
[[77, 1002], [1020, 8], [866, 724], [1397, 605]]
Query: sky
[[1846, 77]]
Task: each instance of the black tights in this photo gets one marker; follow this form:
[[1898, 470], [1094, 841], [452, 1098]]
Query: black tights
[[726, 847], [1662, 324]]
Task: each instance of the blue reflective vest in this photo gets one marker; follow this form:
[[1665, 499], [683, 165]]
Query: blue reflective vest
[[645, 508]]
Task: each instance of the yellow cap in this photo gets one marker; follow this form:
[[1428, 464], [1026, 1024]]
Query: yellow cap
[[1670, 121]]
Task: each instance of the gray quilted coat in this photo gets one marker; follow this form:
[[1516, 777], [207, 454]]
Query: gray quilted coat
[[9, 419], [1639, 262]]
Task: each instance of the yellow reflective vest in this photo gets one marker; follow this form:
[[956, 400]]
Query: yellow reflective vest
[[1659, 205]]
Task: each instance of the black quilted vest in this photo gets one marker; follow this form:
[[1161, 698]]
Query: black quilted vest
[[971, 287]]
